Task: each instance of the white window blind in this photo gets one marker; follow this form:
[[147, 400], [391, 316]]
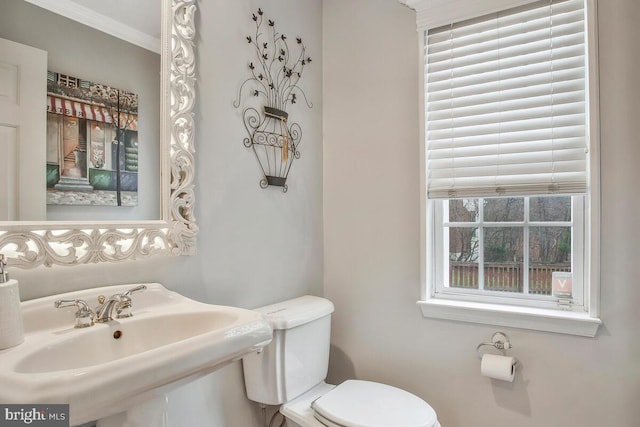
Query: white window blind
[[505, 102]]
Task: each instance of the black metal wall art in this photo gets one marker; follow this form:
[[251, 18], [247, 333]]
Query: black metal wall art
[[275, 81]]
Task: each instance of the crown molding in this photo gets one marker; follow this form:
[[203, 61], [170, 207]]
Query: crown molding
[[93, 19]]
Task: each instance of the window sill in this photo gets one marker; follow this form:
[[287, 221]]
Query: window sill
[[563, 322]]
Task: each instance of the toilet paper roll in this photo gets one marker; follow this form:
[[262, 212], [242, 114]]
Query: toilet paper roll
[[11, 328], [498, 367]]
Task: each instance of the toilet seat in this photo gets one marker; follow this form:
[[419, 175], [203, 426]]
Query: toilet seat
[[357, 403]]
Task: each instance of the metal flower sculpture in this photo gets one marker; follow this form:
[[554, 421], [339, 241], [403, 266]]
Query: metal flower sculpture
[[275, 78]]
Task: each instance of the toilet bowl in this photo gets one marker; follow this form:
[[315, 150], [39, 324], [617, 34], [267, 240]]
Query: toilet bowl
[[291, 372]]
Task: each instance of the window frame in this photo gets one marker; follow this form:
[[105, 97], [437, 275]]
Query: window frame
[[441, 305]]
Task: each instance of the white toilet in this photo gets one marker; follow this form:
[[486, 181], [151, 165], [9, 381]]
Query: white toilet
[[291, 371]]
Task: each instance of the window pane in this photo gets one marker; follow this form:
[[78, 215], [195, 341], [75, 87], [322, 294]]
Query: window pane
[[549, 251], [507, 209], [463, 210], [463, 244], [550, 208], [463, 257], [503, 249]]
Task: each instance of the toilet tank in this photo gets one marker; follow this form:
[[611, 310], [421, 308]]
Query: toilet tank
[[298, 357]]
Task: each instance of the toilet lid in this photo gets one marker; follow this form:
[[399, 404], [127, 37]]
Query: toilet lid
[[357, 403]]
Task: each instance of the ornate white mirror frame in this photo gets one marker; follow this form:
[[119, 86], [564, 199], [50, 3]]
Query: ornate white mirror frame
[[32, 244]]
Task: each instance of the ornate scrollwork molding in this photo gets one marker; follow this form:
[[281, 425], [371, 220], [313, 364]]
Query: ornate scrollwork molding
[[181, 235]]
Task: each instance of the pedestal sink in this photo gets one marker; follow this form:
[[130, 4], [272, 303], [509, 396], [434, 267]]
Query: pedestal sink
[[112, 367]]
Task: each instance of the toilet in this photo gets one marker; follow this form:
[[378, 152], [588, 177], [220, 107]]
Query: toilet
[[291, 372]]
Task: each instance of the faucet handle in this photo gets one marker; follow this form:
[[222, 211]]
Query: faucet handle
[[139, 288], [84, 315], [123, 308]]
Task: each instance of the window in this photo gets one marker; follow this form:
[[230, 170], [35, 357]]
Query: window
[[511, 167], [68, 81], [522, 250]]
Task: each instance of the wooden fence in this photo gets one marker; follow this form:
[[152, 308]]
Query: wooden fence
[[505, 277]]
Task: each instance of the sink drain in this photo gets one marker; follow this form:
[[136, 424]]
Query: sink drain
[[117, 334]]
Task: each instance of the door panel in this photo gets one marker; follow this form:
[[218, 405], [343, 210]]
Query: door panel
[[23, 125]]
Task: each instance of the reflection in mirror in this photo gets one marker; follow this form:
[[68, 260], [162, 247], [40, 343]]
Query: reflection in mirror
[[67, 239], [79, 141]]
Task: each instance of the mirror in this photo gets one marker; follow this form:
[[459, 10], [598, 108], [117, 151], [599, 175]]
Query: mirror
[[93, 55], [29, 244]]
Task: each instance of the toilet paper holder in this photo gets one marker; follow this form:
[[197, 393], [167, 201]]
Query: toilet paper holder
[[500, 341]]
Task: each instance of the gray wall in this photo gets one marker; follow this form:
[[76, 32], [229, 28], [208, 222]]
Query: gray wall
[[89, 54], [371, 221]]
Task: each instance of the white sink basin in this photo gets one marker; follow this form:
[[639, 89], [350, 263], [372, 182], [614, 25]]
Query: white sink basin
[[109, 367]]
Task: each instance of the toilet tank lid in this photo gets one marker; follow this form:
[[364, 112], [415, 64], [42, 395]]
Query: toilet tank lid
[[295, 312]]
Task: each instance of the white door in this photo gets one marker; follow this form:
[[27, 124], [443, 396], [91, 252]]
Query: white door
[[23, 127]]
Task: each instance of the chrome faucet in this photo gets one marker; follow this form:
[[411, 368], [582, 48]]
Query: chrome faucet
[[121, 303], [105, 309]]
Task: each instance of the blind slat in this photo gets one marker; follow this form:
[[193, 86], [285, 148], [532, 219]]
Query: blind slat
[[515, 147], [512, 159], [516, 83], [514, 115], [502, 126], [512, 104], [446, 72], [440, 103], [541, 67], [521, 16], [499, 53], [562, 35], [504, 138]]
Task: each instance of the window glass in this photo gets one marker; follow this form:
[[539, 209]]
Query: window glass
[[463, 257], [549, 252], [503, 255], [463, 210], [550, 208], [506, 209]]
